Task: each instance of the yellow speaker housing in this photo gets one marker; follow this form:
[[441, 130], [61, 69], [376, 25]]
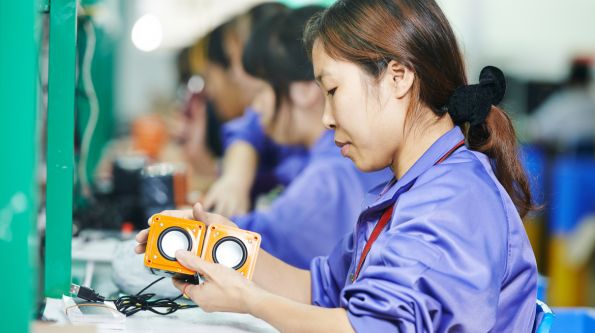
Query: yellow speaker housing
[[160, 224], [247, 240], [205, 241]]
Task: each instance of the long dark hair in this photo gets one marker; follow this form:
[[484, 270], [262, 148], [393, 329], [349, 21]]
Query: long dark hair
[[275, 51], [239, 25], [416, 34]]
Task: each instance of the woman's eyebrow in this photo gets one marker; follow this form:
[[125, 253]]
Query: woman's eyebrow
[[319, 77]]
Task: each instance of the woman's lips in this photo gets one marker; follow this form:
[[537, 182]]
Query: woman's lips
[[344, 147]]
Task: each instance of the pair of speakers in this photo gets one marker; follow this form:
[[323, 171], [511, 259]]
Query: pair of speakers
[[229, 246]]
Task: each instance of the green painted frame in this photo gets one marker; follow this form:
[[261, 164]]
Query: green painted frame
[[60, 146], [19, 137]]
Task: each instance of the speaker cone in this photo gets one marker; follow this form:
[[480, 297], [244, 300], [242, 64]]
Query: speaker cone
[[230, 251], [171, 240]]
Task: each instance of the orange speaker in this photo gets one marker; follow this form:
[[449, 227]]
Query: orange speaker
[[229, 246], [167, 235], [232, 247]]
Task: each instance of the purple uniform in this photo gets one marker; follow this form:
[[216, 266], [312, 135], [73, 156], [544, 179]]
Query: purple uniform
[[278, 164], [453, 258]]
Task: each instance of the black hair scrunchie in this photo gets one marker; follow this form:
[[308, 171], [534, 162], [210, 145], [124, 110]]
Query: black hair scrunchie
[[473, 103]]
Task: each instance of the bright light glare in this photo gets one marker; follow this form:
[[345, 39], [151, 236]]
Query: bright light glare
[[147, 33]]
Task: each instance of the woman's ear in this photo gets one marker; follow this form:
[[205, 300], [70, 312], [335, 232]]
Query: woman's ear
[[400, 77], [305, 94]]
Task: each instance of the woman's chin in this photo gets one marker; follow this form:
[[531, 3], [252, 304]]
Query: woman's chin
[[361, 165]]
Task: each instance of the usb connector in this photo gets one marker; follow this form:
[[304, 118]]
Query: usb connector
[[85, 293]]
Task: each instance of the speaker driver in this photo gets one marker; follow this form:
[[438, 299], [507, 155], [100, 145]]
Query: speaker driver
[[230, 251], [171, 240]]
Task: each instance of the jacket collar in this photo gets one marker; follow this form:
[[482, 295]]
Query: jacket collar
[[385, 195]]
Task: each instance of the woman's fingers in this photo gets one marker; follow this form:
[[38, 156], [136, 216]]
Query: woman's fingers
[[142, 236], [140, 248], [218, 219], [141, 239], [196, 214], [209, 201], [199, 213], [182, 214], [223, 290], [194, 263], [185, 288]]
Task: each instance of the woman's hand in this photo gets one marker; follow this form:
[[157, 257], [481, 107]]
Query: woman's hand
[[228, 197], [228, 291], [224, 289], [197, 213]]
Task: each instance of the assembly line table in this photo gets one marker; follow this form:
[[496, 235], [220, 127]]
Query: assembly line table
[[183, 321]]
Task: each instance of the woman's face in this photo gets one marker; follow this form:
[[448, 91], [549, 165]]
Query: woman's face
[[231, 89], [223, 92], [367, 115], [277, 125]]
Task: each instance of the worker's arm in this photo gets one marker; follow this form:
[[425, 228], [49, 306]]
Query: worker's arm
[[230, 194], [271, 274], [289, 316], [280, 294], [227, 290], [279, 278]]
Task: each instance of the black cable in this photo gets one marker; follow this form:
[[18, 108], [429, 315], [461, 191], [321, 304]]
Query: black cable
[[131, 304]]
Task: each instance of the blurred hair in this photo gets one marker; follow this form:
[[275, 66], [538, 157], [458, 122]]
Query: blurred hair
[[215, 49], [275, 52], [183, 65], [240, 26], [580, 73]]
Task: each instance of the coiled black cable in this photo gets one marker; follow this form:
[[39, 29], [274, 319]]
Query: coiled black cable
[[131, 304]]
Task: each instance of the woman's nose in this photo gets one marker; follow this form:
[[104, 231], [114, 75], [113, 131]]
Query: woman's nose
[[327, 119]]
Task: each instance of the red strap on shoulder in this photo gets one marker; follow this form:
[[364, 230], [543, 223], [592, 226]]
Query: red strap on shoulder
[[386, 217], [375, 233], [450, 152]]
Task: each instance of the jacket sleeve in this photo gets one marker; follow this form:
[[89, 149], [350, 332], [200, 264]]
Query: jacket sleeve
[[329, 274], [311, 215]]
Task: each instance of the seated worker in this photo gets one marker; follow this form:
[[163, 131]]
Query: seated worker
[[253, 164], [566, 120], [245, 172], [290, 108], [230, 91], [449, 252], [228, 86]]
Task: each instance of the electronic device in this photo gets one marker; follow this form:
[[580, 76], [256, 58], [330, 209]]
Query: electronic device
[[226, 245]]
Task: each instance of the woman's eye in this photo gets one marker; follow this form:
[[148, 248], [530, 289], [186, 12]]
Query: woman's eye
[[331, 92]]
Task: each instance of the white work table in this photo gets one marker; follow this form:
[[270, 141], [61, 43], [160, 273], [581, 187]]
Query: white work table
[[92, 266], [183, 321]]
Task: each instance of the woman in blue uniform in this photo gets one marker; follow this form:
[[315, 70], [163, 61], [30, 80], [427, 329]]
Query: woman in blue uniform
[[295, 227], [441, 247]]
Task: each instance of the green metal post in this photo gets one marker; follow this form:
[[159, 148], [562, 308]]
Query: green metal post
[[18, 137], [60, 147]]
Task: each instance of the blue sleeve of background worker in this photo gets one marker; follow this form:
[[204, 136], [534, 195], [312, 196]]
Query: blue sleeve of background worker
[[246, 128], [282, 162], [311, 215]]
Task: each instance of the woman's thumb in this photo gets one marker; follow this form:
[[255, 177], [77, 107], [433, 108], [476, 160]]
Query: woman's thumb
[[199, 213], [192, 262]]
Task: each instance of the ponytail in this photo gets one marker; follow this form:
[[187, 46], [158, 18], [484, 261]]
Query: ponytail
[[497, 139], [490, 131]]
